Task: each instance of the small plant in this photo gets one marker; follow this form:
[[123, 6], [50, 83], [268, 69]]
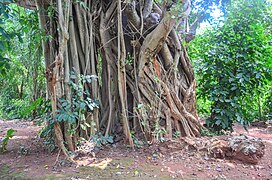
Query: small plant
[[73, 110], [129, 60], [4, 141], [100, 140], [177, 134], [159, 132], [138, 143]]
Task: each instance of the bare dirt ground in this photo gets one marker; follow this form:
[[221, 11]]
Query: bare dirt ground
[[27, 158]]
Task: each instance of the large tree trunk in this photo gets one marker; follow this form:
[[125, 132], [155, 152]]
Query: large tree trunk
[[146, 81]]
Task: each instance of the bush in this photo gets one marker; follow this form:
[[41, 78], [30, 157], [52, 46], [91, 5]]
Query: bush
[[232, 63]]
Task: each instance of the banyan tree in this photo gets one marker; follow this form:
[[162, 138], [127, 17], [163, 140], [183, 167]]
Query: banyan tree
[[134, 54]]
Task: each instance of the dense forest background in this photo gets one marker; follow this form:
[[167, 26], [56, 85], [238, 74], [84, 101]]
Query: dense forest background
[[230, 51]]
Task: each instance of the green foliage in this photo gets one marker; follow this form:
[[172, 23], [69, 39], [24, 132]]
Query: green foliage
[[4, 141], [210, 132], [100, 140], [47, 132], [159, 132], [48, 135], [39, 107], [73, 110], [13, 108], [176, 134], [21, 63], [70, 110], [5, 37], [267, 104], [233, 64], [137, 143]]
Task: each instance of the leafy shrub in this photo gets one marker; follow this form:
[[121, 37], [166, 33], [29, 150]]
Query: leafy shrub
[[232, 65], [37, 108], [73, 110], [267, 106], [14, 108]]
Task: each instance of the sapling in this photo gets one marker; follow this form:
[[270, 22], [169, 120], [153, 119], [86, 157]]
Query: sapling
[[4, 141]]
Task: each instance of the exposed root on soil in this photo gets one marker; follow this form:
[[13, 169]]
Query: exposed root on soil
[[243, 148]]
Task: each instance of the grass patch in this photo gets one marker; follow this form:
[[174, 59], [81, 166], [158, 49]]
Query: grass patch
[[6, 173]]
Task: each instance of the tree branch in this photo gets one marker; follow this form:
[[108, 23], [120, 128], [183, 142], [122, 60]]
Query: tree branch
[[192, 30], [132, 15], [148, 5], [28, 4], [154, 41]]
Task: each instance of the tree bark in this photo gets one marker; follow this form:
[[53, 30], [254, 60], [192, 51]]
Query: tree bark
[[143, 68]]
